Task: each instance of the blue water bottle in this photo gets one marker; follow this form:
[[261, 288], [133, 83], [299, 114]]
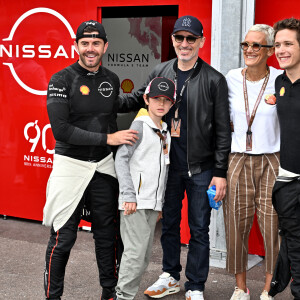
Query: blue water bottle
[[211, 192]]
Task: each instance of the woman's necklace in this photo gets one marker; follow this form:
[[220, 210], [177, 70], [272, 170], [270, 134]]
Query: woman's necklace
[[260, 78]]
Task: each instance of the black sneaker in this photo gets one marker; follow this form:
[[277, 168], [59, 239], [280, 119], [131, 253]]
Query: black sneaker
[[108, 294]]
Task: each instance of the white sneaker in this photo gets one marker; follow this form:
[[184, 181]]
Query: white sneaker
[[165, 285], [265, 296], [240, 294], [194, 295]]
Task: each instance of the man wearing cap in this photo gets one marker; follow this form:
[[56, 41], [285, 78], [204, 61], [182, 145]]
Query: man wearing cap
[[81, 102], [200, 130], [141, 197]]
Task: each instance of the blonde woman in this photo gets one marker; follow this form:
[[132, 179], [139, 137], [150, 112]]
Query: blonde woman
[[254, 158]]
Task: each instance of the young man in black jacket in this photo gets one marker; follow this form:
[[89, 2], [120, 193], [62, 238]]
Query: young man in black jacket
[[200, 130], [286, 191], [82, 100]]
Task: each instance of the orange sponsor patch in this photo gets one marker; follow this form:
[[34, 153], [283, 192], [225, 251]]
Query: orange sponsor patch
[[270, 99], [127, 86], [84, 90]]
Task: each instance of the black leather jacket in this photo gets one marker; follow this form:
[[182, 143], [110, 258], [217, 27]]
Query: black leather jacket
[[208, 125]]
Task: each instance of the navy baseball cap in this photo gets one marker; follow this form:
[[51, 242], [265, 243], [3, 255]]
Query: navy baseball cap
[[190, 24], [99, 27], [161, 87]]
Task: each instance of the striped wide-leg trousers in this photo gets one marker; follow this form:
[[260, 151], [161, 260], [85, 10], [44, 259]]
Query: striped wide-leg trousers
[[250, 182]]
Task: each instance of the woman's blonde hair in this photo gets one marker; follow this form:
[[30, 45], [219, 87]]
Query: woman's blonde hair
[[267, 30]]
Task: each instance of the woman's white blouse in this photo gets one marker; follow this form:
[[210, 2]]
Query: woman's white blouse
[[265, 127]]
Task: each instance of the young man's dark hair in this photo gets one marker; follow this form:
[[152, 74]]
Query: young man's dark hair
[[291, 23]]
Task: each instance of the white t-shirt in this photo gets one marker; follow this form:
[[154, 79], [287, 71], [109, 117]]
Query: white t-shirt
[[265, 127]]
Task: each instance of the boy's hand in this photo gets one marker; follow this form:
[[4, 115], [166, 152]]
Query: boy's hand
[[129, 208]]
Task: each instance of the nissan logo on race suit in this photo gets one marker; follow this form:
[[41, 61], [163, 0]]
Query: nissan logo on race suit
[[41, 43], [105, 89]]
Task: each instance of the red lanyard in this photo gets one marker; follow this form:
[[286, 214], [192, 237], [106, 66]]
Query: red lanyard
[[251, 118], [163, 137]]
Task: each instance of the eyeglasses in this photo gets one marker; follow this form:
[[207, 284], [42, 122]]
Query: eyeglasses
[[190, 38], [255, 46]]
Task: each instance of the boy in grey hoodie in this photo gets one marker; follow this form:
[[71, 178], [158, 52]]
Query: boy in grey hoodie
[[142, 170]]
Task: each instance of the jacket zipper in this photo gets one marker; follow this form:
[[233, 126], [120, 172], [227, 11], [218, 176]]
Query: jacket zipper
[[140, 184], [92, 148], [159, 171], [187, 129]]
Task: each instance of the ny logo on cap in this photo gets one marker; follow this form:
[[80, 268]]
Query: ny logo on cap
[[187, 22], [163, 86]]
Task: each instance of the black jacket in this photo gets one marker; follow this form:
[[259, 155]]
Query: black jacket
[[208, 125], [82, 110]]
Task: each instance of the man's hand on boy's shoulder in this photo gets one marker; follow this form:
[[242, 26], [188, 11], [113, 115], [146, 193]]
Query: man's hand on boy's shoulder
[[122, 137], [129, 208]]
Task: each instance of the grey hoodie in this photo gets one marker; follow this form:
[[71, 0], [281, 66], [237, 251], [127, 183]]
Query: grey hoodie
[[141, 168]]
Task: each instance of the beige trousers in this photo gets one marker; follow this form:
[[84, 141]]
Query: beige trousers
[[137, 232], [250, 181]]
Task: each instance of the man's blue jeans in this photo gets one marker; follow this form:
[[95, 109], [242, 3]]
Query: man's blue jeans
[[197, 266]]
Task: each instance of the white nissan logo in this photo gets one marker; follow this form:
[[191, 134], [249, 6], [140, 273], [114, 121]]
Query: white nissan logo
[[163, 86], [105, 89], [12, 32]]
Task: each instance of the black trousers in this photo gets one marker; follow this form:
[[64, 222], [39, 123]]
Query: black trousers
[[101, 196], [286, 201]]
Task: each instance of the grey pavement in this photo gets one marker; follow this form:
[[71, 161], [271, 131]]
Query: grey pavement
[[22, 250]]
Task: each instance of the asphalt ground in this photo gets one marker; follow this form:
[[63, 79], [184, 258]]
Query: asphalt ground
[[22, 251]]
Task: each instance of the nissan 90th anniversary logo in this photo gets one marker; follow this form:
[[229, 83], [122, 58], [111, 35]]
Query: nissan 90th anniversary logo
[[31, 51]]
